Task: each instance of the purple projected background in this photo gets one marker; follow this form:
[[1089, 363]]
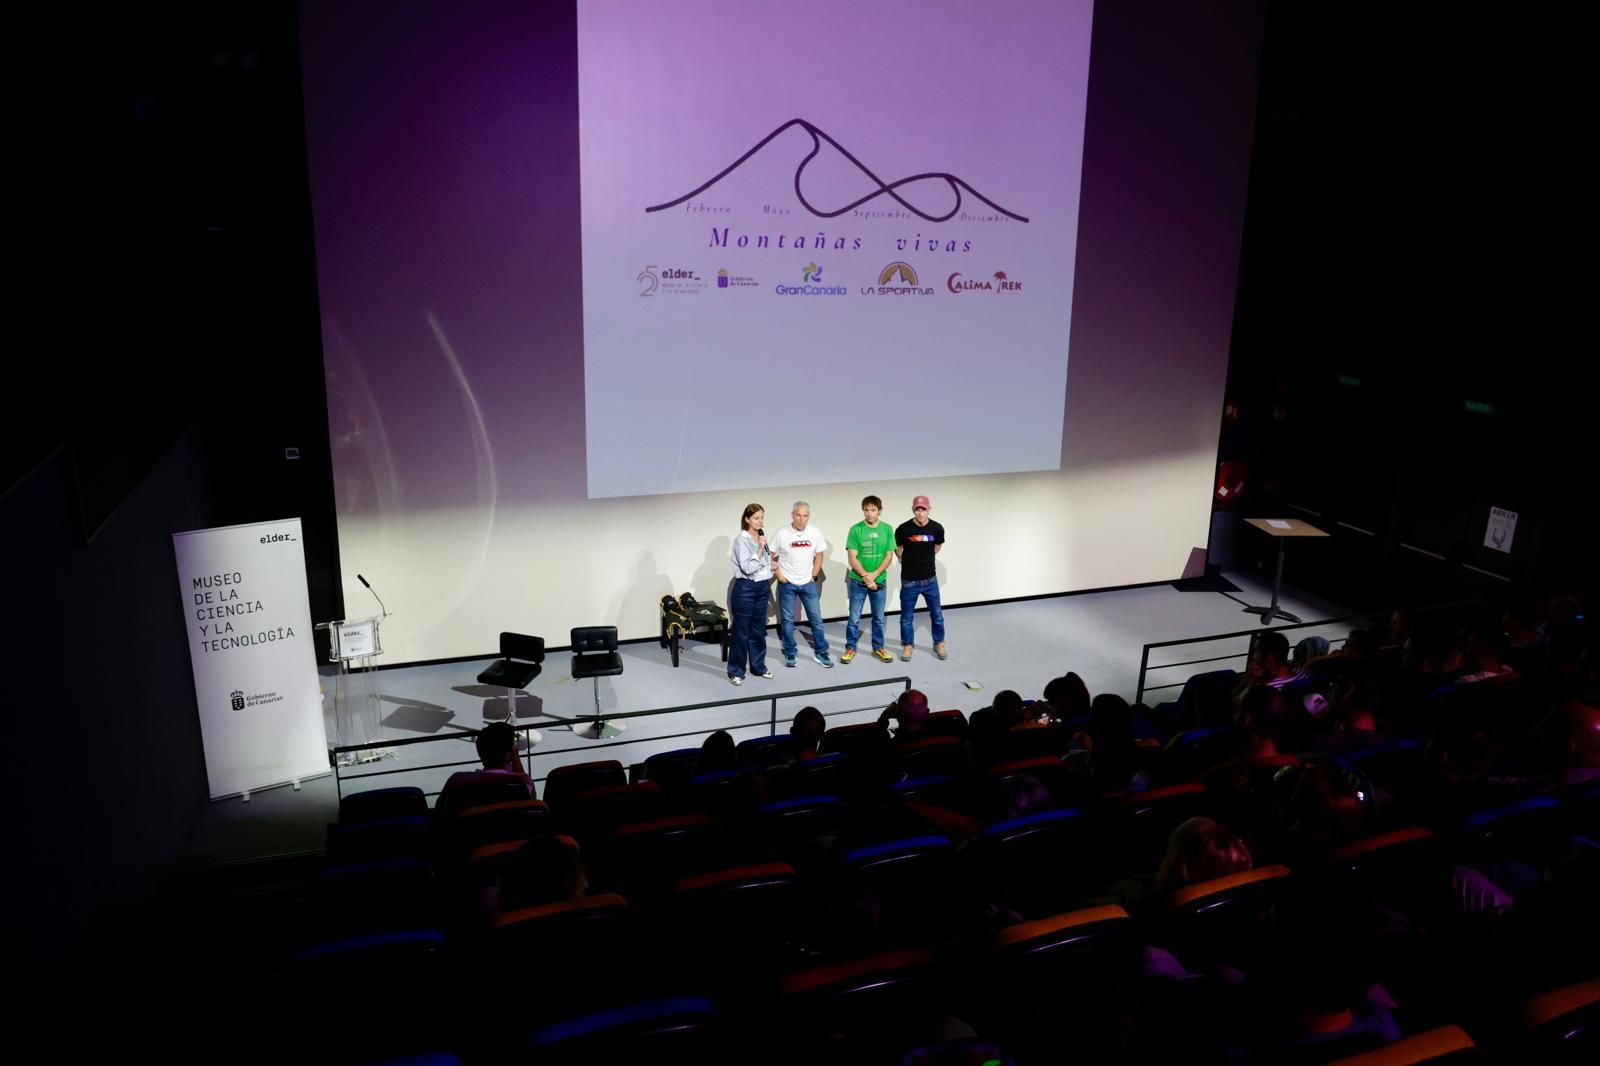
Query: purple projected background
[[777, 206], [443, 142], [444, 166]]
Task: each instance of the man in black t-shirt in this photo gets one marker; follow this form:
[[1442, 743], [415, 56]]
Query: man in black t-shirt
[[915, 544]]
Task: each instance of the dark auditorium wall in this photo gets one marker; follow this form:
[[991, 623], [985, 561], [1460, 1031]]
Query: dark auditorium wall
[[102, 761], [163, 353], [1397, 365]]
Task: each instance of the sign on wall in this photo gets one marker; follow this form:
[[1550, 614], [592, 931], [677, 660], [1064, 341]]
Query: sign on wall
[[248, 617]]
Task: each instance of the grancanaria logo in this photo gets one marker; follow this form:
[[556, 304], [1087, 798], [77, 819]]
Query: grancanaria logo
[[908, 276], [812, 276]]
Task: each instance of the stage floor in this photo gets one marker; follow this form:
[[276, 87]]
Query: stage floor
[[1014, 645]]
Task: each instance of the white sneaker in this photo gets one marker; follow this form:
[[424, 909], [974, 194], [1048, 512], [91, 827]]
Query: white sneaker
[[765, 674], [735, 680]]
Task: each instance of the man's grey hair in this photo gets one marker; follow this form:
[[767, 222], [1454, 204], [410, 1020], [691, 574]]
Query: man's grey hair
[[799, 504]]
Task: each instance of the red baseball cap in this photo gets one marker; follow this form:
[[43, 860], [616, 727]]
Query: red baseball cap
[[921, 501]]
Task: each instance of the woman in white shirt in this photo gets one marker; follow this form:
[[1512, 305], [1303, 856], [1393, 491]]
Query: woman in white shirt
[[752, 581]]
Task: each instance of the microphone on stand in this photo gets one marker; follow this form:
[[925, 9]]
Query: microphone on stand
[[368, 586]]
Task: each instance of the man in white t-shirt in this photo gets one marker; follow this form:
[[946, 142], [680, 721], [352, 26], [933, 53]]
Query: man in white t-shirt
[[798, 550]]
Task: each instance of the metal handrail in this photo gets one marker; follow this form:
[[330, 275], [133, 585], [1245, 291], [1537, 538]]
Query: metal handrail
[[772, 726], [1144, 657]]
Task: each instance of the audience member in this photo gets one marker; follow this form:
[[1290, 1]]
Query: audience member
[[807, 729], [717, 752], [497, 750], [1068, 699], [909, 713]]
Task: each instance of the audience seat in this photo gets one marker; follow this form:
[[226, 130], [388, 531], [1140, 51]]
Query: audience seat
[[1444, 1044], [381, 838], [488, 862], [1532, 829], [1395, 765], [731, 929], [847, 738], [1189, 754], [911, 881], [480, 794], [1065, 973], [565, 782], [763, 753], [1148, 818], [579, 947], [1564, 1025], [1048, 770], [789, 828], [941, 790], [675, 1029], [1036, 863], [403, 802], [809, 777], [931, 755], [1220, 920], [950, 723], [600, 811], [876, 1004], [497, 822], [649, 857], [382, 894], [1033, 743], [670, 769]]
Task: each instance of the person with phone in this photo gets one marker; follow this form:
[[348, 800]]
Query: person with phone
[[747, 604]]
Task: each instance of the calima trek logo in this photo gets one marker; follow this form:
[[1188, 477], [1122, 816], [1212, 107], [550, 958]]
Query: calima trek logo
[[811, 275], [897, 279], [960, 283]]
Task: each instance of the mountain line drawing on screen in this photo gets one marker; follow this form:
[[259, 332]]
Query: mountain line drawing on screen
[[883, 188]]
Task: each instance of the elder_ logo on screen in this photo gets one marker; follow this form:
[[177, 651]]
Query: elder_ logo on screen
[[897, 279], [669, 281]]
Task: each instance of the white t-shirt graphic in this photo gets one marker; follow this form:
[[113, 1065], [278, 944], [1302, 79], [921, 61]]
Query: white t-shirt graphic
[[797, 550]]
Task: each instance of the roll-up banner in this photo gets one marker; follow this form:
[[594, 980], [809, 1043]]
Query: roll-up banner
[[254, 660]]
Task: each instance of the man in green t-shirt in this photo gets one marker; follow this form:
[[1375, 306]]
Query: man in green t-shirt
[[870, 549]]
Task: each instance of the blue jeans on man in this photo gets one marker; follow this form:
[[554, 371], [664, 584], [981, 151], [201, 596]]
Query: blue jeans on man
[[929, 590], [859, 595], [808, 595]]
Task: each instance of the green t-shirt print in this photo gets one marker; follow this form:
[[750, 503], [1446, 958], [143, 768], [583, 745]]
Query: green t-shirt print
[[871, 544]]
